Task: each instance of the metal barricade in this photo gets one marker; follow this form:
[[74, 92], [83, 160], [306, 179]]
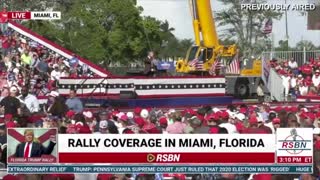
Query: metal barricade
[[272, 79], [300, 56]]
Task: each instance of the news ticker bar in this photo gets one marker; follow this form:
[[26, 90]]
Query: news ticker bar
[[174, 158], [87, 169], [34, 15], [164, 158]]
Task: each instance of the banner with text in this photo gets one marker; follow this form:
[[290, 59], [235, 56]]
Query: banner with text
[[28, 148]]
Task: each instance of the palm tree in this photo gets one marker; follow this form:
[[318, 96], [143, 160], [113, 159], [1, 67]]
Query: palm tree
[[305, 44], [165, 27], [166, 31], [243, 26]]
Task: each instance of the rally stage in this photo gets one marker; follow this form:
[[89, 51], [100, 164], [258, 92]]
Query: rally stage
[[148, 92]]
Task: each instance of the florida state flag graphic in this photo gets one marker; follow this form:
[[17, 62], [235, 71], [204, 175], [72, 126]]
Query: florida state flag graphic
[[32, 145]]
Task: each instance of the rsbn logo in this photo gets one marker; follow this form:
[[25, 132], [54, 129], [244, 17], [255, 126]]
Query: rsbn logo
[[294, 143]]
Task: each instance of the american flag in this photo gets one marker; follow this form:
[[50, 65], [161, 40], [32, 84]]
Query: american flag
[[268, 27], [199, 66], [234, 67], [215, 66], [193, 62]]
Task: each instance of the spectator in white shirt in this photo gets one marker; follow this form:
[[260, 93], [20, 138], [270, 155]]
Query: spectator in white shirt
[[260, 92], [293, 81], [303, 89], [55, 73], [29, 100], [65, 72], [300, 79], [286, 84], [293, 64], [316, 78]]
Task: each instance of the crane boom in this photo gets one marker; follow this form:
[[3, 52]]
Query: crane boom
[[203, 22]]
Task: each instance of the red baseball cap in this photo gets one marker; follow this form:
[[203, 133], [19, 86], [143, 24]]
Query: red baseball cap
[[303, 115], [70, 114], [190, 111], [262, 177], [85, 130], [243, 110], [276, 121], [163, 121], [224, 114], [10, 124], [214, 130], [139, 121], [137, 110], [124, 118], [311, 116], [253, 120]]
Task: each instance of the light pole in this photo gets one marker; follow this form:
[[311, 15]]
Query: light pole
[[287, 35]]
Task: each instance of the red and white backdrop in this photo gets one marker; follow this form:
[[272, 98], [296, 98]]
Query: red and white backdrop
[[147, 87]]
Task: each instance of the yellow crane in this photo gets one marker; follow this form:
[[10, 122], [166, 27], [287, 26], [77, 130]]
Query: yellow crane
[[207, 47]]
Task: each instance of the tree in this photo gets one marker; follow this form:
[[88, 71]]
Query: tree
[[244, 26], [283, 46], [97, 30], [166, 32], [152, 31], [104, 31], [308, 45]]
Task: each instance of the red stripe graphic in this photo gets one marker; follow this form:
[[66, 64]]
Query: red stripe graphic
[[44, 137], [13, 133], [254, 158]]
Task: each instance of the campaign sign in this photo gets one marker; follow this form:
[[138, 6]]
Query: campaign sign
[[294, 146], [32, 146]]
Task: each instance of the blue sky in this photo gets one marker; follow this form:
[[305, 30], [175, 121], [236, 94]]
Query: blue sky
[[177, 12]]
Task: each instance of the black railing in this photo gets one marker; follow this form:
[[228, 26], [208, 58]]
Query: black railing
[[99, 85]]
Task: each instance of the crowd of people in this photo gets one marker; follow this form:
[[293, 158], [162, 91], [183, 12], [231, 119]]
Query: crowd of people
[[69, 116], [25, 61], [299, 80]]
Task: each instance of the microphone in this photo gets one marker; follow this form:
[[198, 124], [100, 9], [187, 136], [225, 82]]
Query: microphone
[[294, 133]]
